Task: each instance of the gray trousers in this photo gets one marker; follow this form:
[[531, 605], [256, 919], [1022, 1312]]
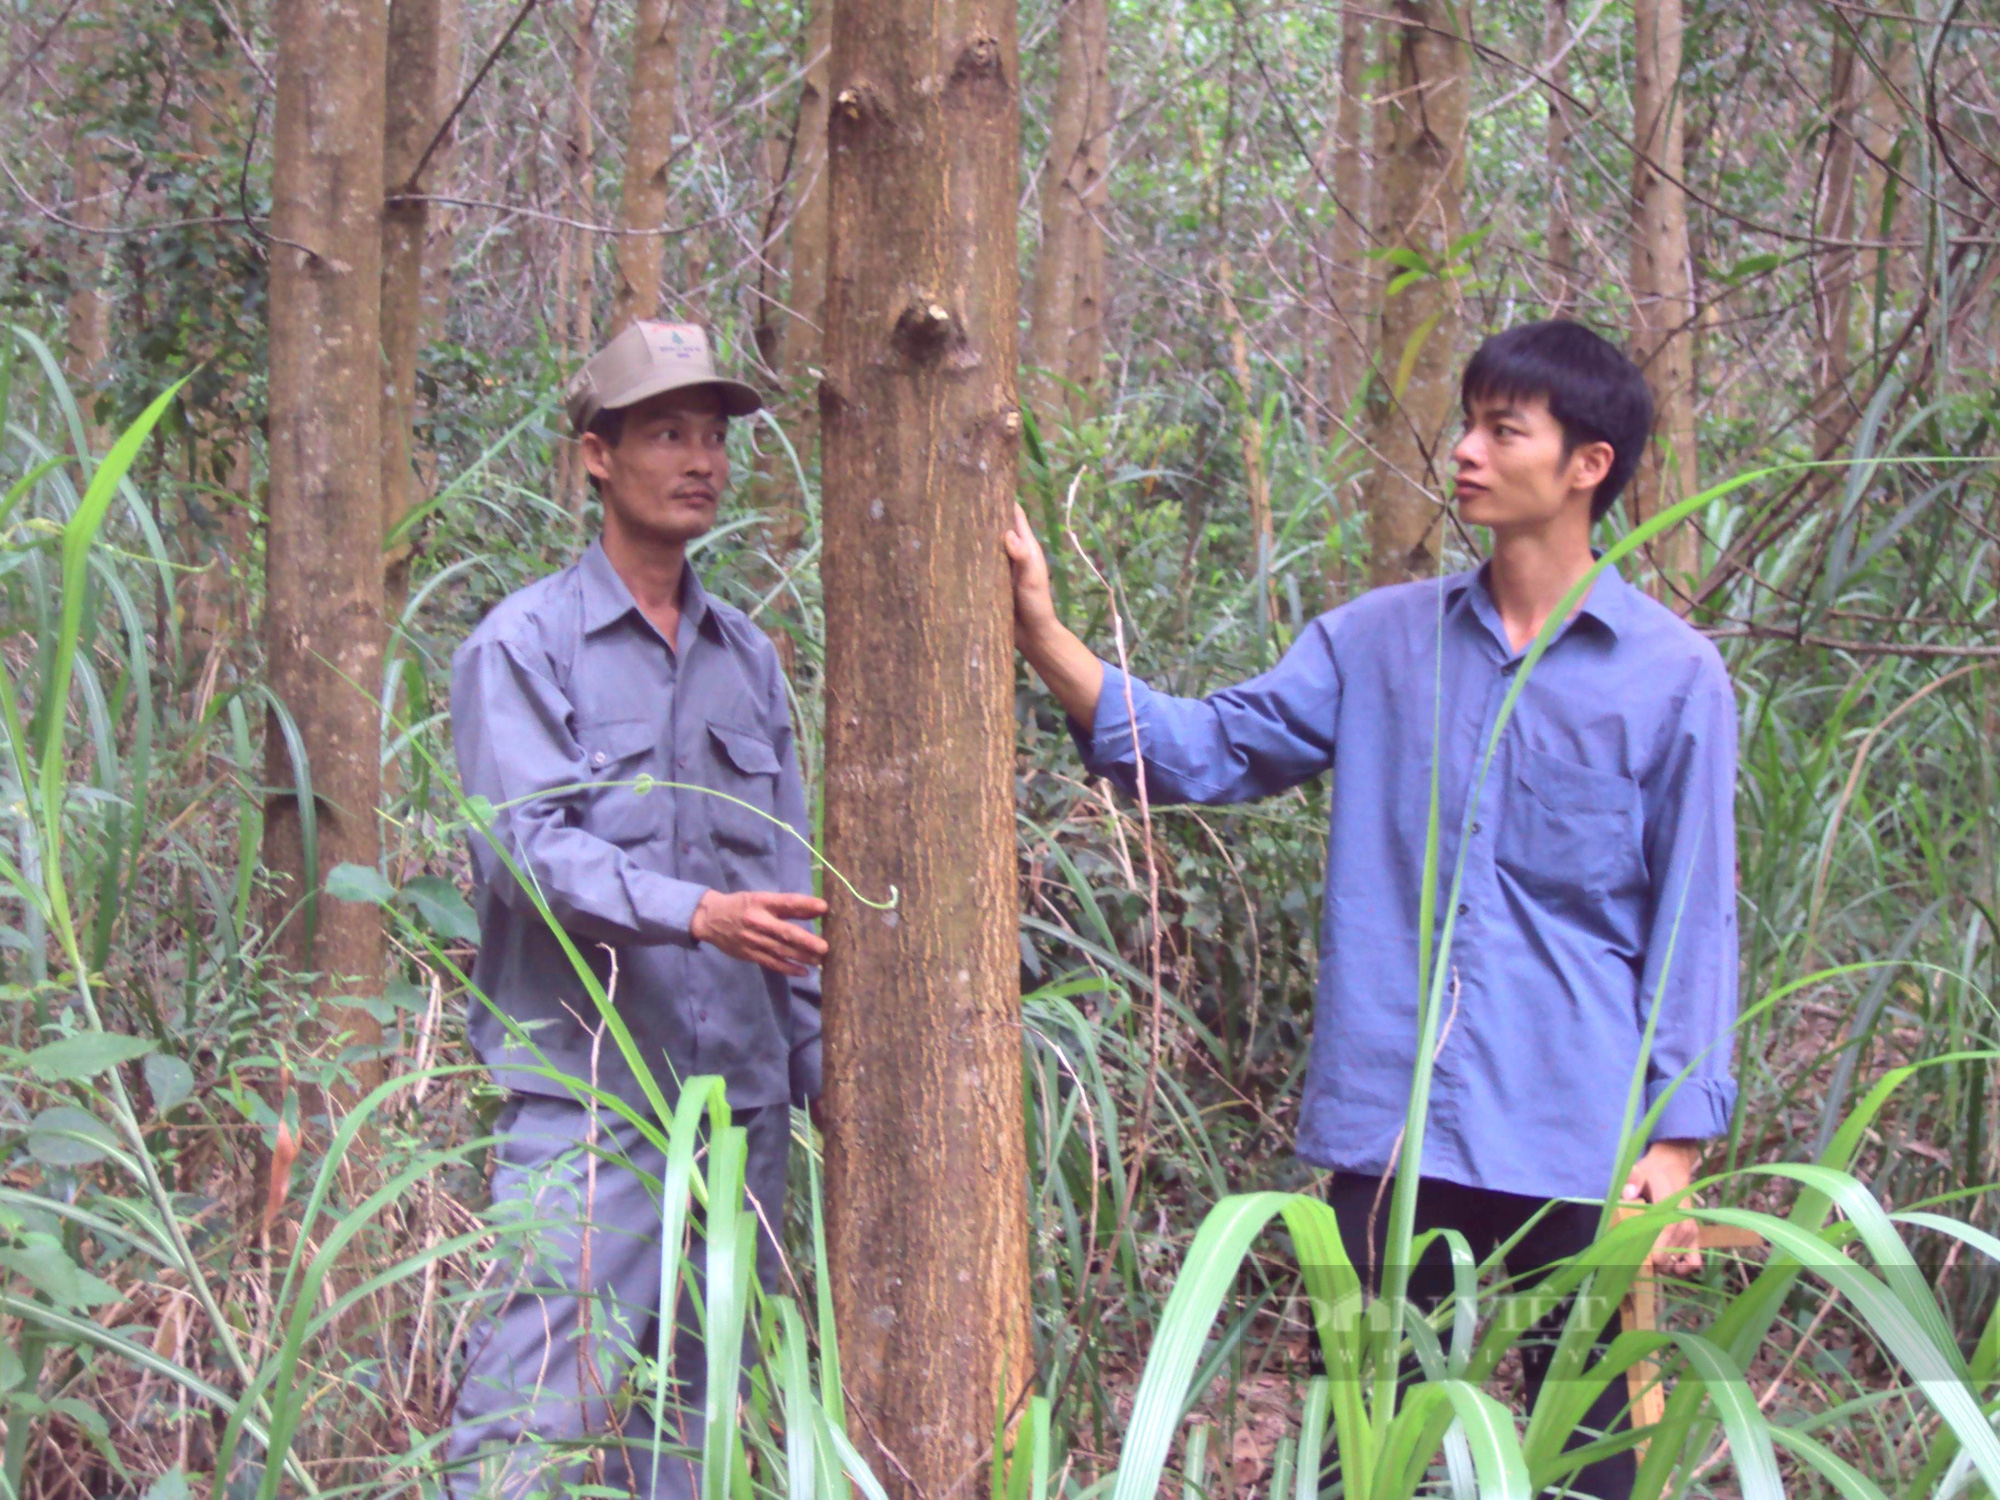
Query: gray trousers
[[545, 1370]]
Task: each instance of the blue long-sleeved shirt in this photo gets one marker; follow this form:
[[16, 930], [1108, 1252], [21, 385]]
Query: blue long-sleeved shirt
[[1603, 837], [562, 699]]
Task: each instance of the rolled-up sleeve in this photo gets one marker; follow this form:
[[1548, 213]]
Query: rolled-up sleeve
[[1248, 741], [511, 726], [1691, 950], [795, 874]]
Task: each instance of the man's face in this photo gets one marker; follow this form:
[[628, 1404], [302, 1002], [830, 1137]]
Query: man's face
[[664, 476], [1512, 474]]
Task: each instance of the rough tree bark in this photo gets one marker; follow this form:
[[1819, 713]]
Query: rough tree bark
[[649, 139], [927, 1226], [1833, 274], [1662, 284], [323, 600], [1085, 355], [1562, 234], [576, 265], [411, 120], [1420, 177]]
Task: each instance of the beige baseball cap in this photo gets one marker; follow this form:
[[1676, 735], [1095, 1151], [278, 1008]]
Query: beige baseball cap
[[649, 359]]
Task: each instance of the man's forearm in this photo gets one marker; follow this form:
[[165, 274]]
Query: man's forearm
[[1070, 669]]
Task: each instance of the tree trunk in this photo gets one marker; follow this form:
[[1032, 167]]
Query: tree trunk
[[1249, 436], [804, 329], [576, 269], [411, 119], [926, 1176], [1662, 284], [1833, 280], [789, 329], [88, 317], [705, 23], [649, 139], [323, 604], [1052, 297], [1562, 236], [1421, 177], [1351, 335], [1085, 362]]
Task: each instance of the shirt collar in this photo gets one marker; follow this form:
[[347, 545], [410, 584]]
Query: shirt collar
[[1609, 601], [606, 598]]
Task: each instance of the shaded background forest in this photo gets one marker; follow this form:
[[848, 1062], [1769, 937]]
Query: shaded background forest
[[1231, 214]]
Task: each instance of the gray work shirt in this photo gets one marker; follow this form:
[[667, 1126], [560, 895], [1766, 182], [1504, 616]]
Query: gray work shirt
[[563, 698]]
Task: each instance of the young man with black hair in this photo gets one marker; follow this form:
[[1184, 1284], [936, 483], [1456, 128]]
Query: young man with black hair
[[618, 670], [1599, 854]]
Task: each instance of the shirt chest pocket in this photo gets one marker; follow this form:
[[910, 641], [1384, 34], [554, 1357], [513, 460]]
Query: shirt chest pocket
[[616, 754], [1570, 835], [747, 777]]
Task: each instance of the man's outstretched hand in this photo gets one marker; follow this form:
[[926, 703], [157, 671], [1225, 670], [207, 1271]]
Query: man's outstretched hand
[[1062, 661], [762, 928], [1034, 604]]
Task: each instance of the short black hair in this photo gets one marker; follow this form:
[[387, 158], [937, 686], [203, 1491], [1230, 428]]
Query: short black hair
[[1595, 393], [609, 427]]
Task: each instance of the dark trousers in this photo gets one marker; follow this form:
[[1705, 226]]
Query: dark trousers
[[1487, 1219]]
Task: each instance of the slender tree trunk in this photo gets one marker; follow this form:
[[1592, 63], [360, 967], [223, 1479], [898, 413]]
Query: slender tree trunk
[[88, 316], [1249, 433], [926, 1177], [1833, 279], [1352, 333], [576, 271], [323, 605], [789, 332], [1085, 363], [1662, 283], [1421, 178], [411, 119], [1052, 296], [1562, 234], [649, 139], [217, 532], [703, 32]]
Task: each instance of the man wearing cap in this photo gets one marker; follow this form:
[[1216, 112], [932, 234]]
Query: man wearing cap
[[690, 908]]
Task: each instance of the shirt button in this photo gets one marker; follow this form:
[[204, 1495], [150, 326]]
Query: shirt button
[[1464, 910], [597, 759], [1475, 828]]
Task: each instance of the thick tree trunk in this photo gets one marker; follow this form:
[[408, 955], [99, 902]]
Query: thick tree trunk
[[1352, 333], [323, 604], [649, 139], [926, 1184], [1420, 179], [1662, 284], [1249, 434], [411, 120], [1562, 234], [576, 270], [1833, 275]]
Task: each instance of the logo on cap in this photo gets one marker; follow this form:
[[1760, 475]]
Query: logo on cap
[[676, 341]]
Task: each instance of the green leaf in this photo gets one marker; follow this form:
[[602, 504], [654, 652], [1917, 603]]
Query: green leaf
[[440, 903], [68, 1137], [170, 1080], [1752, 265], [85, 1055], [41, 1261], [359, 883]]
